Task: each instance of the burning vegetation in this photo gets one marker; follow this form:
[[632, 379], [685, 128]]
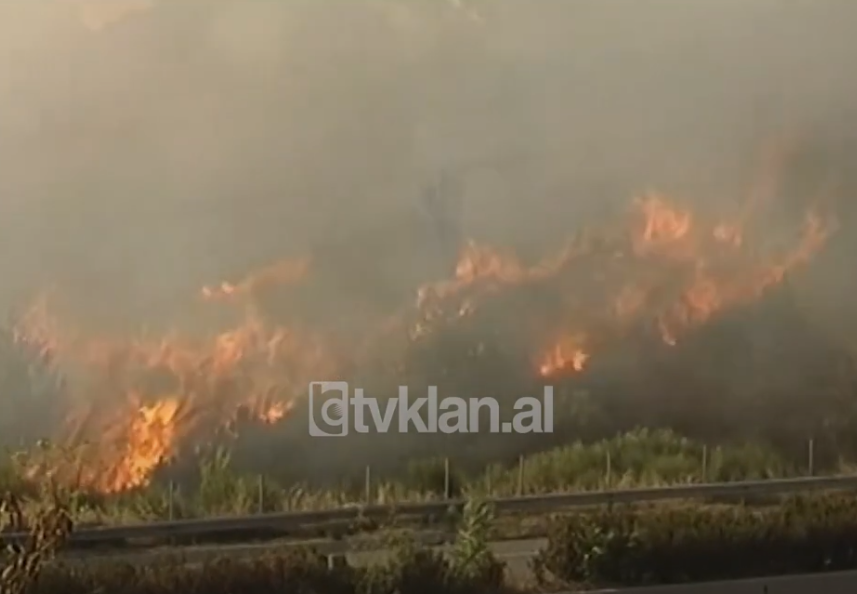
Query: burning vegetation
[[129, 404]]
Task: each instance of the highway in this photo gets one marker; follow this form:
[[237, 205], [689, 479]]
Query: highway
[[360, 552], [844, 582], [515, 553]]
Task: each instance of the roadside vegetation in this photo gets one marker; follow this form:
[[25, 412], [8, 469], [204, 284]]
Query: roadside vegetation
[[633, 547], [636, 459], [619, 546]]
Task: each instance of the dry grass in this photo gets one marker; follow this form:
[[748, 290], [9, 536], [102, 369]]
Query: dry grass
[[637, 459], [48, 526]]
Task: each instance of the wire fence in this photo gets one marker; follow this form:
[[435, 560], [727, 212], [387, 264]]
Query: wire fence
[[609, 478]]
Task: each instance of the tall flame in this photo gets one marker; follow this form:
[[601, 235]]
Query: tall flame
[[140, 401]]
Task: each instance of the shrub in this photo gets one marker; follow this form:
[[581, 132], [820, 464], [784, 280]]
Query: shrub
[[295, 571], [410, 570], [31, 567], [642, 457], [636, 546]]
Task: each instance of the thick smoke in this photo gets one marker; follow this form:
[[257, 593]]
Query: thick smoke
[[189, 141]]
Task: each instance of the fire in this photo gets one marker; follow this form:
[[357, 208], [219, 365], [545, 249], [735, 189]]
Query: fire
[[716, 279], [151, 438], [662, 224], [565, 354], [141, 401], [729, 234], [676, 272], [171, 387], [287, 272]]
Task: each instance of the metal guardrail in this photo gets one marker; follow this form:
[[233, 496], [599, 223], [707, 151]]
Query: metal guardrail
[[534, 504]]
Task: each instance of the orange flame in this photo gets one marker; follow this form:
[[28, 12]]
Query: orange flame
[[667, 270]]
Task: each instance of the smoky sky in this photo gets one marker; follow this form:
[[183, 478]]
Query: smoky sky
[[192, 141]]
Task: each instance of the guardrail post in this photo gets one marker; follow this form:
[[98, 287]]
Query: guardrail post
[[367, 485], [261, 494], [704, 463], [447, 484], [336, 561], [520, 475], [811, 457]]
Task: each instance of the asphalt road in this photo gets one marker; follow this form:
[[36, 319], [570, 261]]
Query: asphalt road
[[516, 554], [831, 583]]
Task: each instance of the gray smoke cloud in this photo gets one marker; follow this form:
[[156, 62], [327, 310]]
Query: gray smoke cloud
[[190, 141]]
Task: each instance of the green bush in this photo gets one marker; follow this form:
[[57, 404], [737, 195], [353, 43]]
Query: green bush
[[411, 570], [32, 567], [297, 571], [635, 546], [642, 457]]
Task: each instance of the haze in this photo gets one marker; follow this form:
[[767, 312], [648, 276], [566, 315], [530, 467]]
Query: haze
[[187, 142]]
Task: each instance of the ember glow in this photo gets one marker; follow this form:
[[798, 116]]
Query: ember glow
[[139, 401]]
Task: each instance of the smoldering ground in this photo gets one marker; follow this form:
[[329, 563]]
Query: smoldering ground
[[188, 142]]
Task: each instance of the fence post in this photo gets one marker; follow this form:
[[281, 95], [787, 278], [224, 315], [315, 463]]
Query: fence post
[[447, 483], [367, 485], [811, 457], [170, 501], [609, 470], [704, 463], [520, 475], [261, 485]]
